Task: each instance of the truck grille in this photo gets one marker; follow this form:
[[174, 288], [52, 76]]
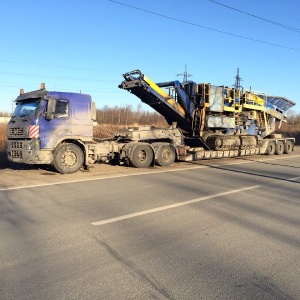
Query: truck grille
[[16, 145], [16, 154], [15, 149], [16, 131]]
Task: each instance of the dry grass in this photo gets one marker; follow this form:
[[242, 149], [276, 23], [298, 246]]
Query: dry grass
[[3, 137], [105, 130]]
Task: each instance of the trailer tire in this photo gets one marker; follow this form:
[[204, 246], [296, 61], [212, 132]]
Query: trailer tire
[[68, 158], [288, 147], [141, 156], [279, 148], [271, 148], [165, 155]]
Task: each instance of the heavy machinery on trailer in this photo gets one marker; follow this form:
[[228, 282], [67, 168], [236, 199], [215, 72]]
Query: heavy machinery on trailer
[[206, 121]]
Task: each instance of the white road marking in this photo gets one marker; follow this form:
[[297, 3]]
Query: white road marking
[[294, 178], [141, 173], [153, 210]]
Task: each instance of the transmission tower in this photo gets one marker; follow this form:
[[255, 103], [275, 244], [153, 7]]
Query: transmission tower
[[238, 80], [185, 74]]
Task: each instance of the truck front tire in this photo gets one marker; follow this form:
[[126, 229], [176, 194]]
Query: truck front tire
[[68, 158]]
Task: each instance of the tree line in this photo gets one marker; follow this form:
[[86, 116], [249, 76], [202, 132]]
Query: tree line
[[127, 115], [4, 114], [293, 118]]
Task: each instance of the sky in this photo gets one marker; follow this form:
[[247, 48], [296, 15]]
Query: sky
[[86, 46]]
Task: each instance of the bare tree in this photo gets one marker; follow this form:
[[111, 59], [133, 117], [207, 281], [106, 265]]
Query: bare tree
[[126, 115]]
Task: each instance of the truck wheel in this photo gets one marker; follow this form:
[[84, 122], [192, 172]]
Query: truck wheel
[[271, 148], [68, 158], [279, 148], [288, 147], [165, 156], [141, 156]]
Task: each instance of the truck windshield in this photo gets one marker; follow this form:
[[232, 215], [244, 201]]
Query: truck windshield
[[27, 108]]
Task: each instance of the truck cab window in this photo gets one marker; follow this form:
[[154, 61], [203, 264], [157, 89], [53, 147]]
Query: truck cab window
[[27, 108], [61, 109]]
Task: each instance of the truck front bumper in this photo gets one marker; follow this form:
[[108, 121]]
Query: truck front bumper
[[28, 151]]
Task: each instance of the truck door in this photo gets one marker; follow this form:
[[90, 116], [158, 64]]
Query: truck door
[[58, 127]]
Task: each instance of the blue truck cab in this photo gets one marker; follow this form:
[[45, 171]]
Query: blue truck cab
[[44, 123]]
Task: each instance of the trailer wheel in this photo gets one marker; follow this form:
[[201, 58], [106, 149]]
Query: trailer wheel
[[68, 158], [271, 148], [279, 148], [141, 156], [165, 156], [288, 147]]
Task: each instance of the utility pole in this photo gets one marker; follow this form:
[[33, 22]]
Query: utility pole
[[185, 74]]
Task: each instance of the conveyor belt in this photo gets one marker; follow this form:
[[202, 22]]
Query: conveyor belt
[[151, 94]]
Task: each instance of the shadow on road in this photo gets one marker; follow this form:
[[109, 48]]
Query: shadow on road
[[231, 169], [135, 270]]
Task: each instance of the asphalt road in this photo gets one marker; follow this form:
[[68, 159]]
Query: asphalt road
[[219, 229]]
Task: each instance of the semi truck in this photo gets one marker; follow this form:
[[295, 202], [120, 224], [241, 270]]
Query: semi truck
[[205, 122]]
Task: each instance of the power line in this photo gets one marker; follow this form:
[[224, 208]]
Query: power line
[[257, 17], [59, 77], [64, 88], [68, 67], [201, 26], [58, 66]]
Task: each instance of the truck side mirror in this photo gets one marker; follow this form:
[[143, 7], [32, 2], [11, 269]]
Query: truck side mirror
[[50, 109]]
